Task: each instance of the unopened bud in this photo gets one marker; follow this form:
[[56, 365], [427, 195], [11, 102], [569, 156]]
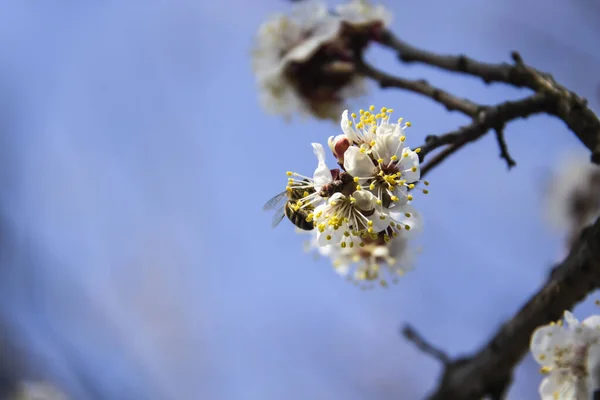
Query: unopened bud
[[338, 147]]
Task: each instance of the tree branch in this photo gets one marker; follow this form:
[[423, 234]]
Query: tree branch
[[490, 117], [517, 74], [489, 370], [563, 103], [413, 336]]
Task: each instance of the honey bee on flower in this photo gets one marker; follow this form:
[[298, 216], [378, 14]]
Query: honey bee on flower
[[360, 214]]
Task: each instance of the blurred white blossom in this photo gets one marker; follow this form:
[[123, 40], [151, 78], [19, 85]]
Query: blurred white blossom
[[361, 215], [573, 195], [303, 62], [31, 390], [563, 351], [377, 260]]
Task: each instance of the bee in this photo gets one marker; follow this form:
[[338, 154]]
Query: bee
[[284, 203]]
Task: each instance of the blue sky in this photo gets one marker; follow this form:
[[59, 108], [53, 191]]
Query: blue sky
[[136, 161]]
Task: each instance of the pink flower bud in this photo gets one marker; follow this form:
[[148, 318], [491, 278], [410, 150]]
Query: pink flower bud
[[338, 146]]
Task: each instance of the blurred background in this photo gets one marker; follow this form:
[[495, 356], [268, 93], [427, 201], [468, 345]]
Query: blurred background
[[136, 260]]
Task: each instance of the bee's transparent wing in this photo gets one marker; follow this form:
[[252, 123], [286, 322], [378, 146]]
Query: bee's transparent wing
[[275, 201], [279, 214]]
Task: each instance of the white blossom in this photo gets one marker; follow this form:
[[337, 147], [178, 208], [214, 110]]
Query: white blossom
[[362, 214], [292, 38], [573, 194], [377, 260], [380, 161], [562, 351], [303, 63]]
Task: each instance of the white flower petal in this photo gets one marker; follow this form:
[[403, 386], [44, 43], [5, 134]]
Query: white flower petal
[[380, 221], [326, 30], [592, 322], [348, 128], [365, 200], [322, 174], [336, 197], [399, 250], [386, 146], [546, 389], [389, 129], [330, 237], [408, 215], [319, 152], [358, 164], [544, 341], [342, 268], [570, 319], [407, 164], [401, 192]]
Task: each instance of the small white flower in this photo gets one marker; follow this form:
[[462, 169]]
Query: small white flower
[[361, 12], [562, 352]]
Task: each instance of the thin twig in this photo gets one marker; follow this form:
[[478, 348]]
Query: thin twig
[[421, 86], [489, 118], [441, 156], [504, 154], [413, 336]]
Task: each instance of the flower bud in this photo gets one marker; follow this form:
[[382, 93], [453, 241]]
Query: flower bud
[[338, 146]]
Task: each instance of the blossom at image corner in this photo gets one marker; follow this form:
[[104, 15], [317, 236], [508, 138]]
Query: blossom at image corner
[[563, 352], [361, 214]]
